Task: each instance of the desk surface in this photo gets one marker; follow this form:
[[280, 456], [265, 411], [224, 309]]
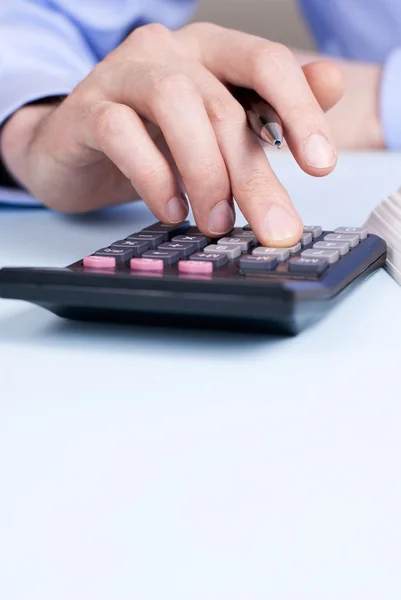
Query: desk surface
[[146, 464]]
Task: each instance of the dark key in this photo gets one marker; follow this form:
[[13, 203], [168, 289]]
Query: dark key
[[257, 264], [247, 227], [308, 266], [122, 255], [200, 241], [153, 239], [195, 231], [185, 250], [169, 257], [218, 259], [171, 230], [136, 246]]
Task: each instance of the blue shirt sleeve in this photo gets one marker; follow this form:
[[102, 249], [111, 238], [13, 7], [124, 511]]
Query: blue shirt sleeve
[[368, 31], [390, 100]]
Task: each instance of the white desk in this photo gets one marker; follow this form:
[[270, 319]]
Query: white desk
[[139, 464]]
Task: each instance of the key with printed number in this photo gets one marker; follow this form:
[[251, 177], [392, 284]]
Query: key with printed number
[[280, 254], [245, 243], [342, 247], [351, 238], [231, 251], [331, 256], [360, 231]]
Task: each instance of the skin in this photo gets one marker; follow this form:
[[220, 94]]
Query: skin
[[157, 113]]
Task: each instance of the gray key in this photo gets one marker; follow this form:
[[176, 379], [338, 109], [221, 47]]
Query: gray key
[[279, 253], [295, 249], [231, 251], [244, 242], [315, 230], [122, 255], [257, 264], [306, 238], [218, 259], [185, 250], [342, 247], [363, 234], [169, 257], [351, 238], [136, 246], [332, 256]]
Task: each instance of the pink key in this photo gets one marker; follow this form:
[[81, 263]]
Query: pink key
[[195, 267], [147, 264], [100, 262]]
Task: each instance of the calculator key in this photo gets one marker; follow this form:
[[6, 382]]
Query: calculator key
[[199, 241], [306, 238], [332, 256], [153, 239], [244, 242], [310, 266], [231, 251], [195, 231], [195, 267], [351, 238], [362, 232], [184, 250], [136, 246], [241, 233], [171, 230], [99, 262], [315, 230], [257, 264], [218, 259], [279, 253], [121, 255], [247, 227], [342, 247], [169, 257], [146, 264], [295, 249]]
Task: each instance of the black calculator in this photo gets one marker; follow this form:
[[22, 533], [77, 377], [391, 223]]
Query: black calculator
[[176, 276]]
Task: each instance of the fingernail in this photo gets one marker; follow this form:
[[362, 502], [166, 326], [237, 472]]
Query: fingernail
[[281, 224], [221, 218], [177, 209], [319, 152]]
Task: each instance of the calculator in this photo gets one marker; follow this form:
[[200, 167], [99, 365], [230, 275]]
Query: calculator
[[174, 275]]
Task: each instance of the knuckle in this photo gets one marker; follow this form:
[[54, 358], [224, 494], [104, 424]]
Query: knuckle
[[172, 84], [153, 174], [269, 54], [253, 183], [151, 33], [221, 111], [107, 120]]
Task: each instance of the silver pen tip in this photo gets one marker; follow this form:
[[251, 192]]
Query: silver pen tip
[[278, 144]]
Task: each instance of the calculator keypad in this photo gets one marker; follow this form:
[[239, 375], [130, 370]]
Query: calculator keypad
[[184, 250]]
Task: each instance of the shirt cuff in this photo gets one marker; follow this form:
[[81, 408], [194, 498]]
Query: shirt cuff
[[390, 100]]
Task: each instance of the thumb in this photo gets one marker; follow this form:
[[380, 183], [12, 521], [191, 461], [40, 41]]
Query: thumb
[[326, 81]]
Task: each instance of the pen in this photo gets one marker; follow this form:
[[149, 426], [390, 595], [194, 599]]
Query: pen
[[262, 118]]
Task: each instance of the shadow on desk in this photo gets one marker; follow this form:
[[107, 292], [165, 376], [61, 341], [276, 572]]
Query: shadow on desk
[[36, 326]]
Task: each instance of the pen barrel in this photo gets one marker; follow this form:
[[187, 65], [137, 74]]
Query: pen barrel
[[262, 118]]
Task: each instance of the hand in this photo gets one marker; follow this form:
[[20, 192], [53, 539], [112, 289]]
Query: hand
[[158, 109]]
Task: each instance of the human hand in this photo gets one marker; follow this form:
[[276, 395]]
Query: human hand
[[158, 109]]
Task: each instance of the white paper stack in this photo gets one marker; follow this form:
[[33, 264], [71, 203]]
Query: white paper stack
[[385, 221]]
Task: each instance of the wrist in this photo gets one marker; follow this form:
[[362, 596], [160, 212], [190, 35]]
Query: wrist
[[16, 138]]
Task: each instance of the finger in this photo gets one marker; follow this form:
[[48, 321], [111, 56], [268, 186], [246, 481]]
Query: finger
[[178, 109], [326, 81], [120, 134], [272, 71], [260, 196]]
